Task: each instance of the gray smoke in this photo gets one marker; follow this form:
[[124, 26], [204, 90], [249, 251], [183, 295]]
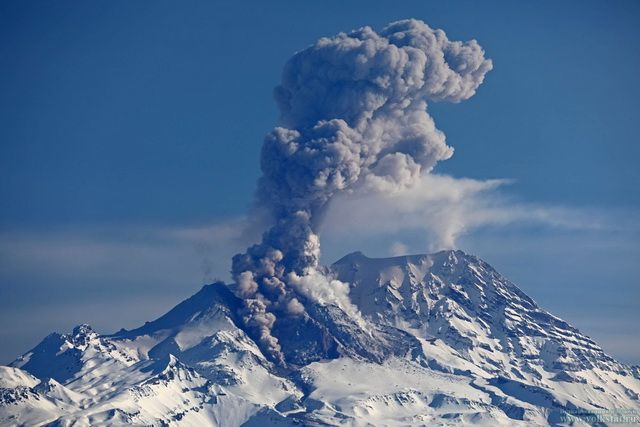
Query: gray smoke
[[353, 118]]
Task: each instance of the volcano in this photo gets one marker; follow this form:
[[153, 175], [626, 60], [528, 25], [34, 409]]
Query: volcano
[[438, 339]]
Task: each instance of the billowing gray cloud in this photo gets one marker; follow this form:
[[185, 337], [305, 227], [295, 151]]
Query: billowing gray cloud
[[353, 112]]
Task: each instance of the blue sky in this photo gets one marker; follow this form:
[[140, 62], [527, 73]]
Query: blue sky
[[130, 135]]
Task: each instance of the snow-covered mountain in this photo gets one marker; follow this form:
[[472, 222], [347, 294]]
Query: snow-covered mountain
[[441, 339]]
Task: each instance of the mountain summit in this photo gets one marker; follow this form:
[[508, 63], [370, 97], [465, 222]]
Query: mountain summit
[[427, 339]]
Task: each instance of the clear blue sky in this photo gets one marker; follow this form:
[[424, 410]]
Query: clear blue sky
[[127, 126]]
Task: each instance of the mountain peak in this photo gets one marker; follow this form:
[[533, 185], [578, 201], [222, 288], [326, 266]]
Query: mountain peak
[[351, 257], [81, 335], [451, 255], [430, 338]]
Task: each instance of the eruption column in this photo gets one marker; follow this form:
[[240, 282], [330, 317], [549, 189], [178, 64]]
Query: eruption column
[[353, 116]]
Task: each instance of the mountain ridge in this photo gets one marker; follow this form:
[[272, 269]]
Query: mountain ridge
[[446, 339]]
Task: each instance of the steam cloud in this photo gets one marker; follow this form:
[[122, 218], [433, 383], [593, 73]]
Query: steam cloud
[[353, 118]]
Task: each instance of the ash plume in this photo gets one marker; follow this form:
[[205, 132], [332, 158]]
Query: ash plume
[[353, 118]]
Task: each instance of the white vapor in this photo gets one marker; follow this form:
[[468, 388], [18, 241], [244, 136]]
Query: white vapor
[[444, 208], [326, 290], [398, 249]]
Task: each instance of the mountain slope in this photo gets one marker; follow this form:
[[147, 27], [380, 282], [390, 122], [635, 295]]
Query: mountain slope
[[445, 339], [464, 302]]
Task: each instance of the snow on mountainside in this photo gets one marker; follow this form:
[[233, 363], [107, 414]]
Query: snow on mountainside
[[446, 340]]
